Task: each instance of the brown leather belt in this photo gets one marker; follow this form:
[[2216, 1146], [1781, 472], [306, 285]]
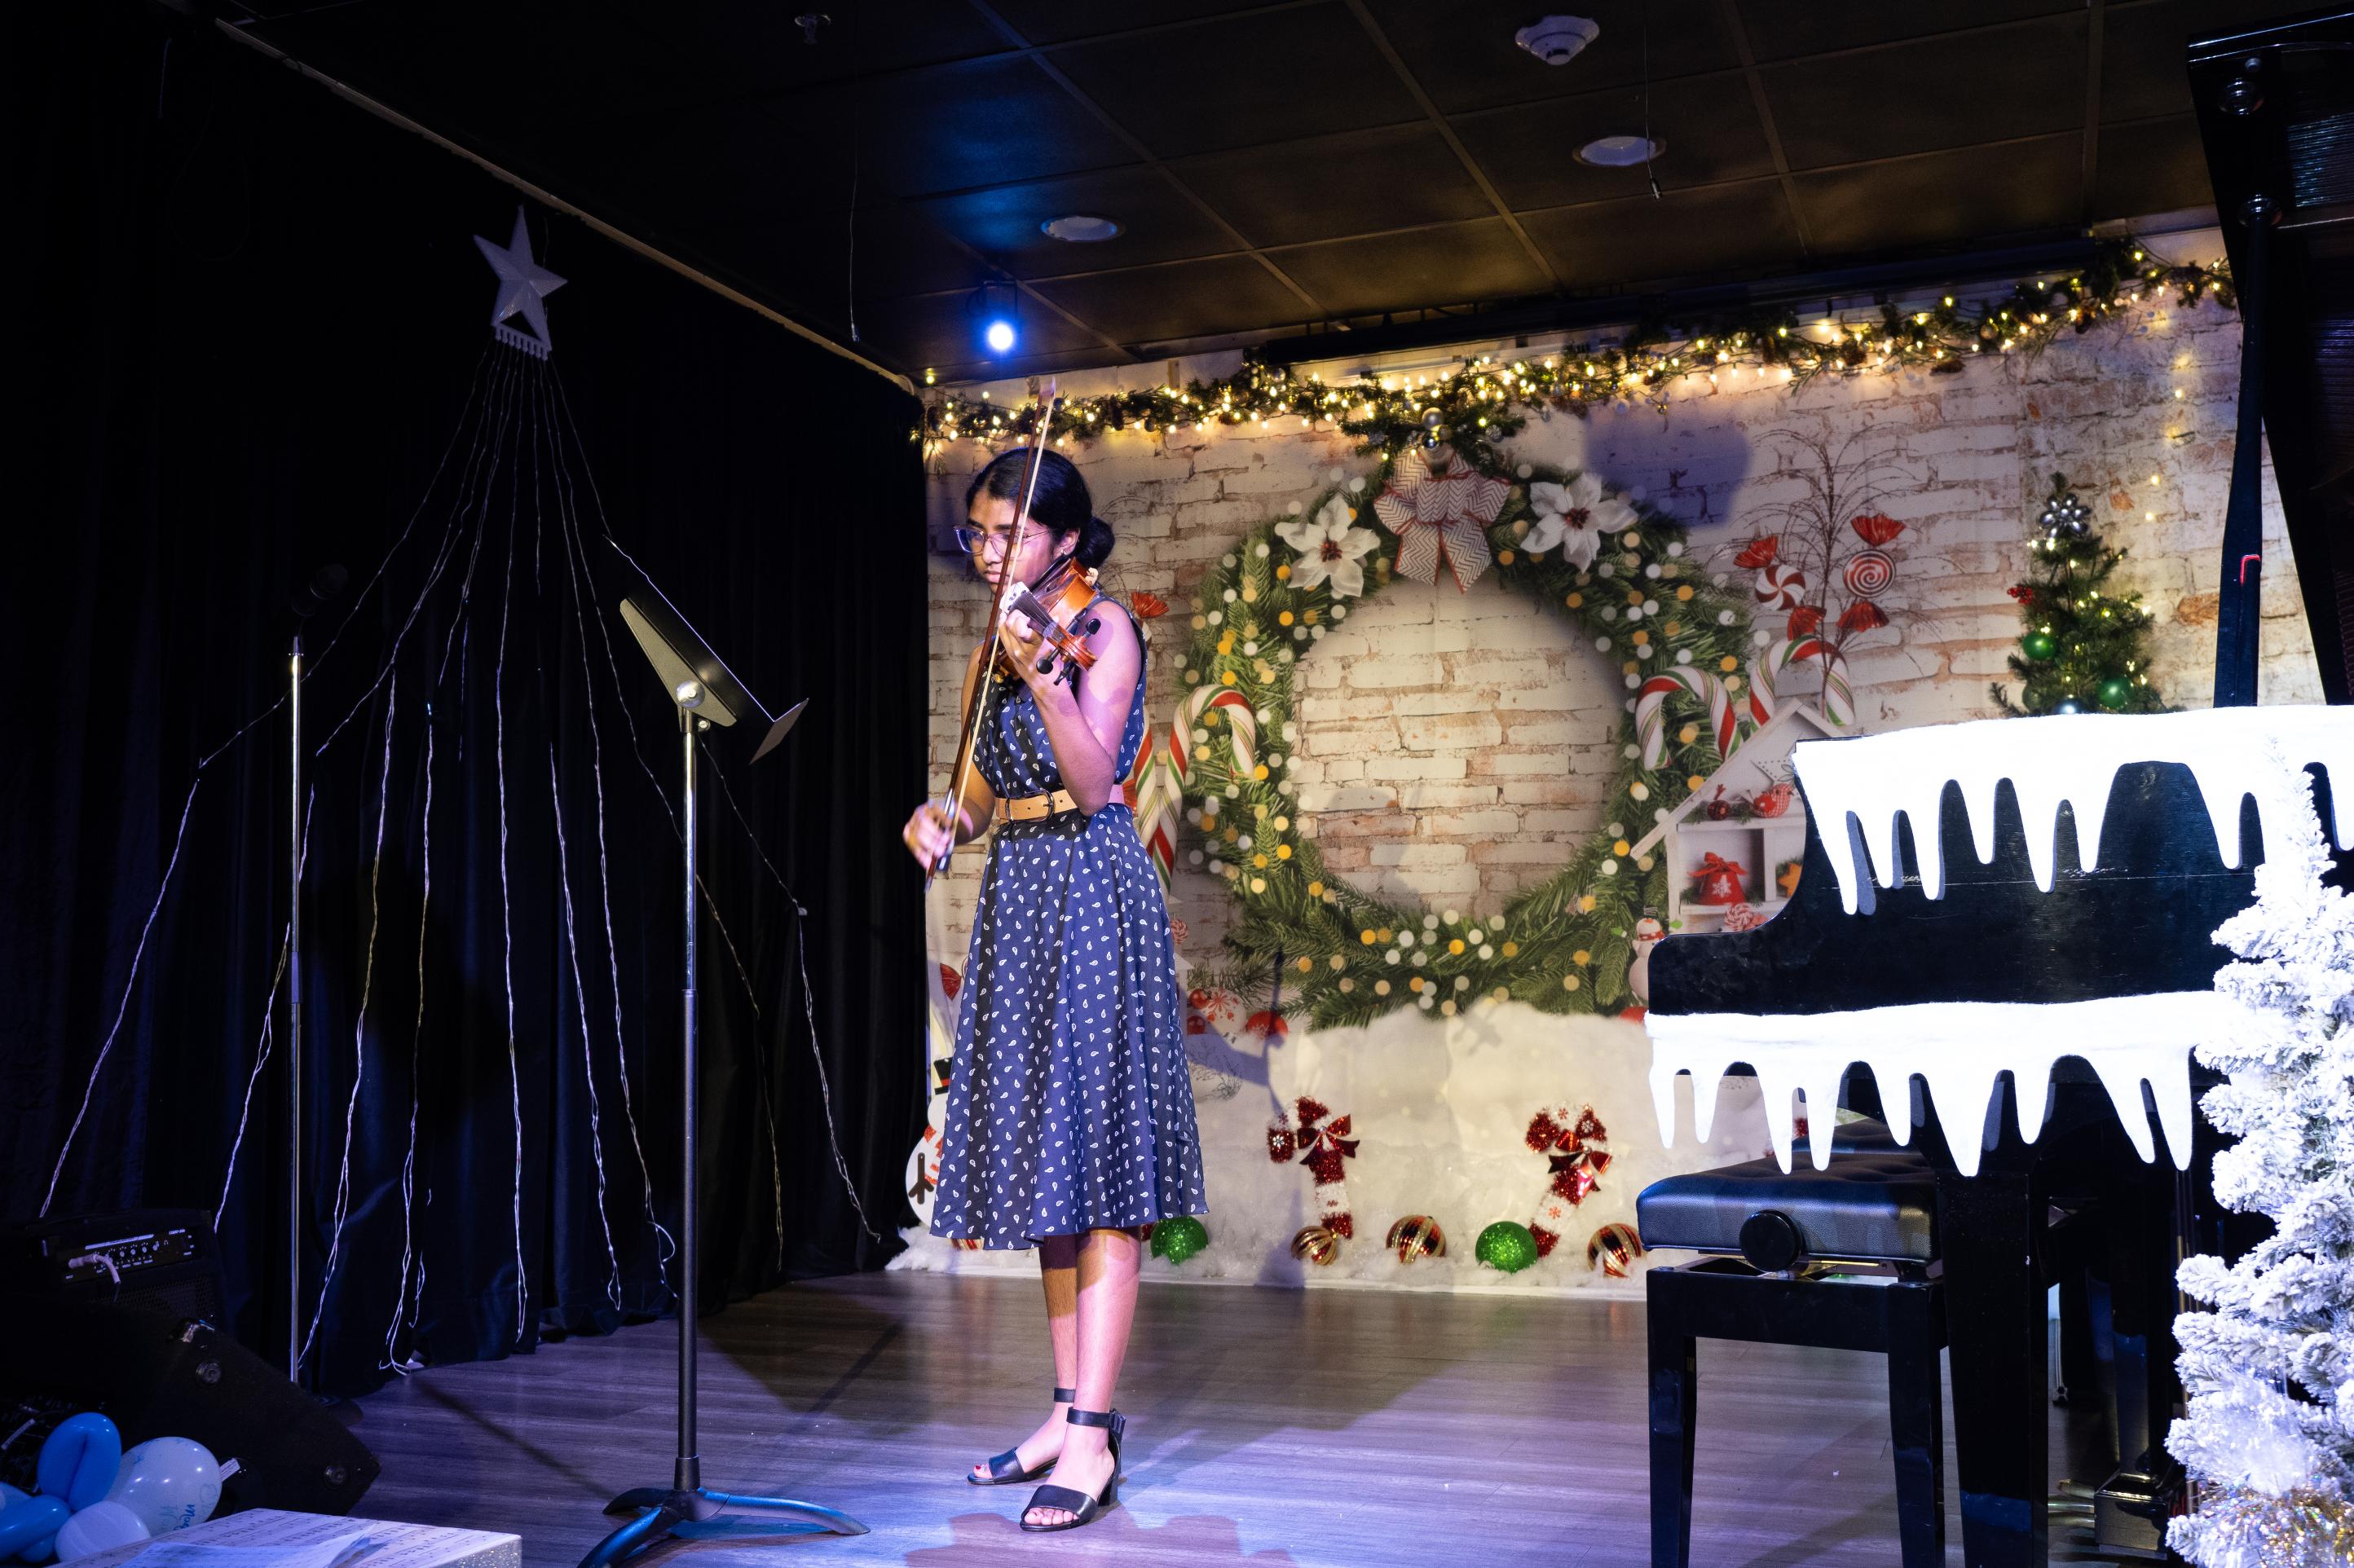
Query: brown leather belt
[[1032, 807]]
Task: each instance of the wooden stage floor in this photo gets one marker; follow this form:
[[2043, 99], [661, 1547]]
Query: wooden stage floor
[[1355, 1429]]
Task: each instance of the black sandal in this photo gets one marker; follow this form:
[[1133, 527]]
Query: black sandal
[[1004, 1469], [1083, 1509]]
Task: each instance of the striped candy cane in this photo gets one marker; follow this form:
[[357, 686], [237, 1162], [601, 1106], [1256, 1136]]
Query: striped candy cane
[[1731, 715], [1156, 793], [1839, 694], [1241, 723]]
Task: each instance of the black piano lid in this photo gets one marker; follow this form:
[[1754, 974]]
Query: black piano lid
[[2142, 924], [2276, 107]]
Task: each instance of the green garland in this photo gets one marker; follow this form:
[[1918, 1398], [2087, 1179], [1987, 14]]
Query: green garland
[[1346, 957], [1485, 401]]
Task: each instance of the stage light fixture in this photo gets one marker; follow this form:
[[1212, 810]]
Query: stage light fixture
[[996, 308]]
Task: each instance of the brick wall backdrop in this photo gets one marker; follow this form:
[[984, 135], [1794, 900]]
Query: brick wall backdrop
[[1454, 747]]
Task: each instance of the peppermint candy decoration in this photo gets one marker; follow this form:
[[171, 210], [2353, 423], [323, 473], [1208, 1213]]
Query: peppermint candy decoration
[[1869, 572], [1780, 586]]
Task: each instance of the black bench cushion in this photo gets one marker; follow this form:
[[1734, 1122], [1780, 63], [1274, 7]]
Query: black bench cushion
[[1877, 1200]]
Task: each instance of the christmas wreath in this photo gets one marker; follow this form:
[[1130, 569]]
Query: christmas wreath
[[1616, 569]]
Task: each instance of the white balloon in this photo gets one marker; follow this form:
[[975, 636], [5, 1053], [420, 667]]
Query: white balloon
[[169, 1483], [101, 1527]]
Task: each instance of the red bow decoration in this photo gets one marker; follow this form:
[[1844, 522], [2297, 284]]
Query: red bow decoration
[[1711, 864], [1758, 552], [1577, 1161], [1322, 1149], [1875, 530]]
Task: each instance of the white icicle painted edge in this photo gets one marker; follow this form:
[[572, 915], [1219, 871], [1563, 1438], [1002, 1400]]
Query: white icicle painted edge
[[1957, 1048], [2072, 758]]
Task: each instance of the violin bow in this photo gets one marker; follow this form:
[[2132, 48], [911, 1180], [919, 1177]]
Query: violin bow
[[982, 685]]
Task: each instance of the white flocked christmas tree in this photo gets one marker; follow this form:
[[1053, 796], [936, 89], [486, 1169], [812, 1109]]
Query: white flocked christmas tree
[[2269, 1439]]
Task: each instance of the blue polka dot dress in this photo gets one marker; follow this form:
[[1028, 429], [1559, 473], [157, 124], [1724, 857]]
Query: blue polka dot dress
[[1070, 1106]]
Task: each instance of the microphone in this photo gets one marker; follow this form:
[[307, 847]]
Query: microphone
[[320, 591]]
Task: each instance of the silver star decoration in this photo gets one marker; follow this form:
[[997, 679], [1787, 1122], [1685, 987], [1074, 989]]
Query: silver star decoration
[[524, 285]]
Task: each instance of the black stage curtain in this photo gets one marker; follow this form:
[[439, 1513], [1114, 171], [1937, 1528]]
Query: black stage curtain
[[254, 317]]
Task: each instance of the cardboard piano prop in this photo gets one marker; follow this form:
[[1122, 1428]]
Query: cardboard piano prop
[[2001, 942]]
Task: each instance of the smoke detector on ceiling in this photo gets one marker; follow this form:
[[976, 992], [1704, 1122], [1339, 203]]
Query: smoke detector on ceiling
[[1557, 40]]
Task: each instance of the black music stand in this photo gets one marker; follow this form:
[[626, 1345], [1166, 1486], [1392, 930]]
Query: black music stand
[[705, 693]]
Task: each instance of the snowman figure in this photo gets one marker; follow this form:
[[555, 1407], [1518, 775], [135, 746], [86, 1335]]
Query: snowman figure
[[1648, 933]]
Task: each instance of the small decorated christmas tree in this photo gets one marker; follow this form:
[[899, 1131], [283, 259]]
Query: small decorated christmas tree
[[2269, 1438], [2082, 649]]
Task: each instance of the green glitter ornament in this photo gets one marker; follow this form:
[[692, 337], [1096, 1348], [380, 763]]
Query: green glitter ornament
[[1180, 1238], [1506, 1246]]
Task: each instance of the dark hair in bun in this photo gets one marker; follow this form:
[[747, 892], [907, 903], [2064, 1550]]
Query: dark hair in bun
[[1061, 505]]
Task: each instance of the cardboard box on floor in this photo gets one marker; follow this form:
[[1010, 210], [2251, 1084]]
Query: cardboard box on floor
[[398, 1545]]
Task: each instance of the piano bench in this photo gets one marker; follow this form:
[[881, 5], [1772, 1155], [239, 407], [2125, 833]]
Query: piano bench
[[1876, 1207], [1878, 1202]]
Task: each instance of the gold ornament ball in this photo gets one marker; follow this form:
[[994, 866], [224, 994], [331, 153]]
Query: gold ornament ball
[[1316, 1245], [1417, 1235]]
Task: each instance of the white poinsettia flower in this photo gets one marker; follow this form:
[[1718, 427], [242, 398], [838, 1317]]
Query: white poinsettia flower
[[1575, 517], [1331, 549]]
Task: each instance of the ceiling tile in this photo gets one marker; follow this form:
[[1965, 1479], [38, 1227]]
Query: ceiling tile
[[1917, 97], [1268, 76], [1360, 181], [1463, 54], [1782, 29], [1709, 127], [2144, 50], [2151, 166], [1157, 222], [1060, 21], [1185, 298], [1682, 235], [1949, 198], [1458, 263], [981, 122]]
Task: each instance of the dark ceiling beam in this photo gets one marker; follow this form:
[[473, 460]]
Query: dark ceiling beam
[[1535, 318], [1380, 41], [1739, 28], [2095, 18], [1146, 156]]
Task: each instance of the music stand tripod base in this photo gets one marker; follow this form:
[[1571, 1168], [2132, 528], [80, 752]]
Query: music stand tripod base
[[705, 693]]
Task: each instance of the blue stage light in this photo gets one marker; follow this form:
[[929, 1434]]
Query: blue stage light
[[999, 335]]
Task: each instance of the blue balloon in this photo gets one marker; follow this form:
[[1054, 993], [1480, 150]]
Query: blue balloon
[[31, 1524], [79, 1461]]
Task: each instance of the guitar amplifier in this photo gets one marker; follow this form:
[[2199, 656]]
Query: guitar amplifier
[[165, 1260]]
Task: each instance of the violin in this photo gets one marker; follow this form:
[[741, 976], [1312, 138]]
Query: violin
[[1053, 604]]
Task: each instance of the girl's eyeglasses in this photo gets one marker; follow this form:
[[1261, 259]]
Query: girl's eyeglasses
[[970, 539]]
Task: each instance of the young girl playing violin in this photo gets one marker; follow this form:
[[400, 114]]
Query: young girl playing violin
[[1070, 1114]]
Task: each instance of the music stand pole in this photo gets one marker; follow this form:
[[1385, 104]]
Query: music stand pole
[[705, 693], [294, 1026]]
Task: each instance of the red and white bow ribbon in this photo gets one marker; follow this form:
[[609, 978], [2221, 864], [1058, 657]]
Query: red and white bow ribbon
[[1572, 1144], [1324, 1148], [1434, 516]]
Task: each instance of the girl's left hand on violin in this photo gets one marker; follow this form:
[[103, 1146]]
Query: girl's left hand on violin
[[1024, 647]]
